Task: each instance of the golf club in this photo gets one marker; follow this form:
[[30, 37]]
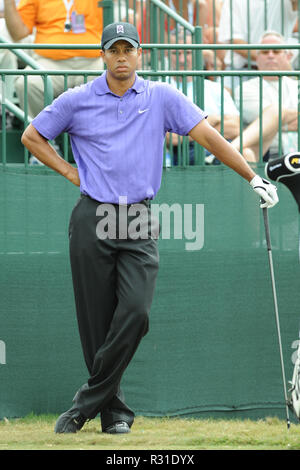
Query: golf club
[[268, 240]]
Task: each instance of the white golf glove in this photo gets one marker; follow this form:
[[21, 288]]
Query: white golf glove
[[266, 190]]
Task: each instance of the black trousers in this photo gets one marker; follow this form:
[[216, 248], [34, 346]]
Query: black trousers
[[114, 281]]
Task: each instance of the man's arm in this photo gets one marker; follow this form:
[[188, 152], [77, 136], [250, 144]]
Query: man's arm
[[208, 137], [231, 124], [41, 149], [289, 120], [291, 126], [202, 12], [244, 52], [17, 29]]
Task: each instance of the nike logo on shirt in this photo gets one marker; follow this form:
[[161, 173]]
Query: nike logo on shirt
[[141, 111]]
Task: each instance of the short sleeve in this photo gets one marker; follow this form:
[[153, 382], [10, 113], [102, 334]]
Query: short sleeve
[[55, 118], [180, 113], [28, 12], [238, 21]]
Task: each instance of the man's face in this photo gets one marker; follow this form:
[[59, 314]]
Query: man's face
[[121, 59], [273, 59], [181, 59]]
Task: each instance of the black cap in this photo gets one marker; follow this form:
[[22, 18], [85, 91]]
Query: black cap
[[119, 32]]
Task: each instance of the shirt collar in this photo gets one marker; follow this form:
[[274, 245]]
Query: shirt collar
[[102, 88]]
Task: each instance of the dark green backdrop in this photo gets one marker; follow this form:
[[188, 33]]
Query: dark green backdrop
[[212, 348]]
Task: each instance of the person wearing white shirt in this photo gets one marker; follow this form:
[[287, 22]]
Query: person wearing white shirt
[[269, 60], [212, 99], [263, 15]]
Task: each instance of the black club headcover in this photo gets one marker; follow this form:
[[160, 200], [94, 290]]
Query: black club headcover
[[286, 170]]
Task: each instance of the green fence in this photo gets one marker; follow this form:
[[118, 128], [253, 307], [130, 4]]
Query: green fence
[[212, 348], [161, 67]]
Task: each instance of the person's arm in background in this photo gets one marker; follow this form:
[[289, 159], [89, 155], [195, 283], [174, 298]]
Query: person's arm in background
[[291, 126], [202, 6], [208, 137], [244, 52], [17, 29], [231, 124]]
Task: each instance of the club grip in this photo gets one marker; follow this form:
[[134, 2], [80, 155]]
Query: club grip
[[267, 228]]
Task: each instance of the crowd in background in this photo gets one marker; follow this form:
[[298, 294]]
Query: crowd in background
[[222, 21]]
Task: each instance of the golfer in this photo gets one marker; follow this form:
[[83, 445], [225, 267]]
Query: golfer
[[117, 125]]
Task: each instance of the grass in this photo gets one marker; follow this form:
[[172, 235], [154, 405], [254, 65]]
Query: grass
[[36, 433]]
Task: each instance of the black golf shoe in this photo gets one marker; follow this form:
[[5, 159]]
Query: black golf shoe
[[120, 427], [70, 422]]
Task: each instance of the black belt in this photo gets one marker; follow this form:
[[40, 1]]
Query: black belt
[[145, 202]]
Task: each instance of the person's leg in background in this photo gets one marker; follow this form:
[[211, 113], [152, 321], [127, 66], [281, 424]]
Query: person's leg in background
[[35, 87], [8, 61], [36, 101], [83, 63]]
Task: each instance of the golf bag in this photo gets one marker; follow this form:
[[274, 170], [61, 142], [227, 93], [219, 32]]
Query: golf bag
[[286, 170], [294, 400]]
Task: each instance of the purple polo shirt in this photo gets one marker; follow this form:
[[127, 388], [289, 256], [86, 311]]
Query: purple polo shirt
[[117, 142]]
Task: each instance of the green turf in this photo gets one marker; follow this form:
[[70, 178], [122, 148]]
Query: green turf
[[36, 432]]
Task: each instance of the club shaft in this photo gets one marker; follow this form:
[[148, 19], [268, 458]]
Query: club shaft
[[268, 240]]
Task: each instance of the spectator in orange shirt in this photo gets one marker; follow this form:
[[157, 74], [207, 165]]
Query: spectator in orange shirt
[[55, 22]]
